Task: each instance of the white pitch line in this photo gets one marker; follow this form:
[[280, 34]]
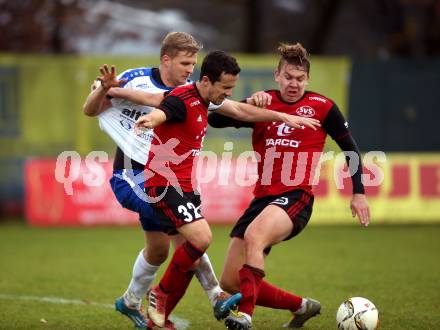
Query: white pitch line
[[179, 322]]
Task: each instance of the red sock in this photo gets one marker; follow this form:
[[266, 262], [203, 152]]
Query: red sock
[[250, 280], [174, 297], [184, 257], [273, 297]]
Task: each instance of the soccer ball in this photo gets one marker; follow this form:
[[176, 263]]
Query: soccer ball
[[357, 313]]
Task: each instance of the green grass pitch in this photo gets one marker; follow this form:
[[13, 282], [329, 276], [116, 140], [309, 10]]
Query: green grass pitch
[[397, 267]]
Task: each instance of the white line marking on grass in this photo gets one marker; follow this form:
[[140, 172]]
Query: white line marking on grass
[[179, 322], [54, 300]]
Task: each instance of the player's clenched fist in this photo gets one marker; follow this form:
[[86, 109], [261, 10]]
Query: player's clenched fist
[[143, 123], [149, 121], [260, 99]]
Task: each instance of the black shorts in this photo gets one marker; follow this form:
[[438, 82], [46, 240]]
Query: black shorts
[[174, 209], [297, 203]]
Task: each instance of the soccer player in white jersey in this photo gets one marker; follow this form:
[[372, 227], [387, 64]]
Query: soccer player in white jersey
[[117, 117]]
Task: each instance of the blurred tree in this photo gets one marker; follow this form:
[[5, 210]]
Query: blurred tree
[[361, 29], [36, 26], [328, 12], [411, 27]]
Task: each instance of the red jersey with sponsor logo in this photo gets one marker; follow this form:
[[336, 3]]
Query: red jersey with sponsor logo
[[288, 156], [176, 144]]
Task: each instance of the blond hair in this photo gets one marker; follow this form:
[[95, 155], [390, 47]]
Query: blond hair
[[294, 54], [175, 42]]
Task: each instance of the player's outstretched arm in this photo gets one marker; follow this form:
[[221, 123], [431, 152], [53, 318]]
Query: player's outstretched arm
[[151, 120], [250, 113], [96, 101], [336, 126], [137, 96]]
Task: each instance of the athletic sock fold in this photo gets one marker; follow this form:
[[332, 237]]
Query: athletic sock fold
[[250, 281]]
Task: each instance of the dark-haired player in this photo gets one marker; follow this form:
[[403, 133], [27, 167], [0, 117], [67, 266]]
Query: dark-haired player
[[179, 124], [283, 194], [178, 56]]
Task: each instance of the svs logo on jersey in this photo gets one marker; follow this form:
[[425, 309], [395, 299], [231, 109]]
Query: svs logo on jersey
[[305, 111]]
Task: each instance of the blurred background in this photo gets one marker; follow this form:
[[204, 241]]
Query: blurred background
[[378, 59]]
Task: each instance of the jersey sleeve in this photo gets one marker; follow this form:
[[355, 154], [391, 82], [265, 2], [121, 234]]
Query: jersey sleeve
[[336, 126], [174, 108], [213, 107], [124, 75], [217, 120]]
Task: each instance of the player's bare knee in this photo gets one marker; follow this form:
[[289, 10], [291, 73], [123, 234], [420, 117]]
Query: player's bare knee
[[229, 284], [253, 241], [156, 257], [202, 239], [202, 242], [156, 254]]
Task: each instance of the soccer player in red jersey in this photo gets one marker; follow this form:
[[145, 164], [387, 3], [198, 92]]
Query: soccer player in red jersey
[[178, 56], [180, 123], [283, 194]]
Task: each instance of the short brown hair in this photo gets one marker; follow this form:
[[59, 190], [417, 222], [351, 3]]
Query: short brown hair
[[294, 54], [175, 42], [216, 63]]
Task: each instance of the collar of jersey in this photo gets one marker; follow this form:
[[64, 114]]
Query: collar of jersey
[[159, 85]]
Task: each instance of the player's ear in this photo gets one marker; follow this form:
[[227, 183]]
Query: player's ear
[[276, 75], [204, 80], [165, 60]]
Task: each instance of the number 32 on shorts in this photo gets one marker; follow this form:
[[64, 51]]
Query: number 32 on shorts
[[190, 212]]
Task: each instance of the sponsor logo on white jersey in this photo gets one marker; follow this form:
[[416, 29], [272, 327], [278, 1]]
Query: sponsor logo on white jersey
[[284, 130], [133, 113], [305, 111], [317, 98], [194, 103]]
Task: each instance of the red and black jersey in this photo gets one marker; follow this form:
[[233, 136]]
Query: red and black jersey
[[287, 156], [177, 142]]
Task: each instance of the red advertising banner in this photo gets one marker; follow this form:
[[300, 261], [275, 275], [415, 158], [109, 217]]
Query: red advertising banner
[[400, 188], [48, 204]]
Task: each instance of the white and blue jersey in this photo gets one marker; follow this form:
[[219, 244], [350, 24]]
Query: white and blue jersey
[[118, 122]]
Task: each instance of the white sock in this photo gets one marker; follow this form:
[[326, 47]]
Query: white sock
[[206, 276], [143, 276], [302, 308]]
